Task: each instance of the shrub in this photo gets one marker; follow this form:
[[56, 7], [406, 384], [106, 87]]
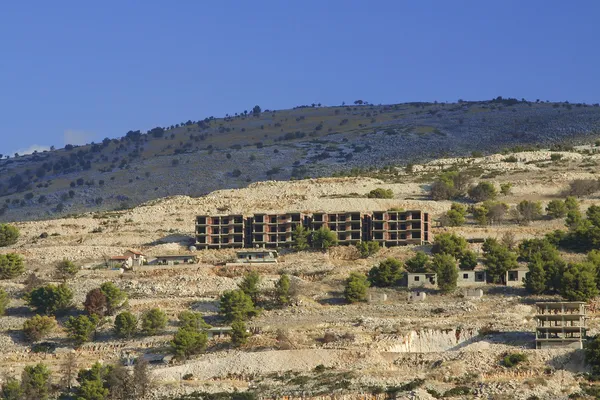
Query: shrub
[[35, 382], [505, 188], [556, 209], [592, 354], [583, 187], [323, 238], [11, 265], [556, 156], [38, 327], [367, 249], [80, 329], [187, 342], [95, 303], [250, 285], [192, 320], [356, 288], [239, 333], [236, 305], [457, 391], [449, 185], [513, 359], [449, 243], [529, 211], [153, 321], [8, 235], [125, 324], [4, 301], [387, 273], [301, 236], [50, 299], [483, 191], [380, 193], [115, 297], [282, 290], [579, 282], [456, 216], [66, 269], [468, 260]]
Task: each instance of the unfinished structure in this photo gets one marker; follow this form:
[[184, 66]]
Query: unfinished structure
[[389, 228], [560, 324], [347, 225], [397, 228], [220, 231]]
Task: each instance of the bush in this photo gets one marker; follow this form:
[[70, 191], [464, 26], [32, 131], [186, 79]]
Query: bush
[[556, 156], [447, 273], [583, 187], [387, 273], [236, 305], [367, 249], [250, 285], [4, 301], [125, 324], [35, 382], [458, 391], [556, 209], [38, 327], [66, 269], [50, 299], [192, 320], [380, 193], [505, 188], [449, 243], [483, 191], [417, 263], [513, 359], [11, 265], [456, 216], [8, 235], [579, 282], [115, 297], [449, 185], [80, 329], [95, 303], [356, 288], [239, 333], [323, 238], [153, 321], [529, 211], [282, 290], [592, 354], [187, 342]]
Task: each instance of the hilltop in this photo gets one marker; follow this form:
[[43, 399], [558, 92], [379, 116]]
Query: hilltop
[[196, 157]]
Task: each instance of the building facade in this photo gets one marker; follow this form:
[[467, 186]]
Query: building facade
[[560, 324]]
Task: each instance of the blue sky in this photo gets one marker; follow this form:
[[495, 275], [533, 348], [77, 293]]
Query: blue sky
[[73, 71]]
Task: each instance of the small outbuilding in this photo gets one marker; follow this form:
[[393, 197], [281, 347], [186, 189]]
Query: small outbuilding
[[516, 276], [176, 259], [419, 280], [256, 256], [471, 277]]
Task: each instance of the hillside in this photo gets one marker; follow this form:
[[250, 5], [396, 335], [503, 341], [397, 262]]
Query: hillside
[[197, 157], [318, 345]]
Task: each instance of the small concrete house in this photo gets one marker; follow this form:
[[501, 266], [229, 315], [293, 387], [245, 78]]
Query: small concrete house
[[256, 256], [176, 259], [120, 262], [137, 258], [419, 280], [471, 277], [516, 276]]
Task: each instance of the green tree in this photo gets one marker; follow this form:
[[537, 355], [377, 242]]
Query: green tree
[[381, 193], [535, 281], [9, 235], [571, 203], [239, 333], [498, 259], [592, 354], [300, 238], [505, 188], [456, 216], [367, 249], [447, 273], [449, 243], [4, 301], [256, 110], [450, 185], [356, 288], [125, 324], [153, 321], [543, 250], [468, 260], [249, 285], [95, 303], [579, 282], [387, 273], [529, 210], [66, 269], [80, 329], [417, 263], [50, 299], [556, 209], [38, 327], [11, 390], [323, 238], [483, 191], [188, 341], [115, 297], [236, 305], [93, 382], [11, 265], [36, 382], [192, 320], [282, 290]]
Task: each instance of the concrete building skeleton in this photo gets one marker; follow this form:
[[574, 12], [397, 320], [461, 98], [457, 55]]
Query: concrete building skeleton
[[560, 324]]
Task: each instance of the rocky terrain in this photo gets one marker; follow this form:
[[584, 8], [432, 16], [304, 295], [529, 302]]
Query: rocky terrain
[[318, 346], [194, 158]]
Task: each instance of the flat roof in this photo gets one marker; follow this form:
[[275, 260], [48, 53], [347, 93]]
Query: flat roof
[[559, 304]]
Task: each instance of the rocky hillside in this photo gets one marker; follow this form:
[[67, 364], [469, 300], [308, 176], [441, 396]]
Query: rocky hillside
[[196, 157]]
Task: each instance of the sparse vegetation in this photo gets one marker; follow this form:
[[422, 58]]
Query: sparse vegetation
[[9, 235]]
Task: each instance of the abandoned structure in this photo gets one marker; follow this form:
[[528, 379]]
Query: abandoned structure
[[560, 324], [388, 228], [471, 277], [130, 258], [419, 280], [175, 259], [258, 256], [516, 276]]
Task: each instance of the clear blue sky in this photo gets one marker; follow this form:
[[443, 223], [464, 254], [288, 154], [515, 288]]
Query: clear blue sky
[[81, 71]]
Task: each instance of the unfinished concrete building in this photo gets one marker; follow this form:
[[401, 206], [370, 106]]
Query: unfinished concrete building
[[399, 228], [560, 324], [275, 230], [347, 225], [220, 231]]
